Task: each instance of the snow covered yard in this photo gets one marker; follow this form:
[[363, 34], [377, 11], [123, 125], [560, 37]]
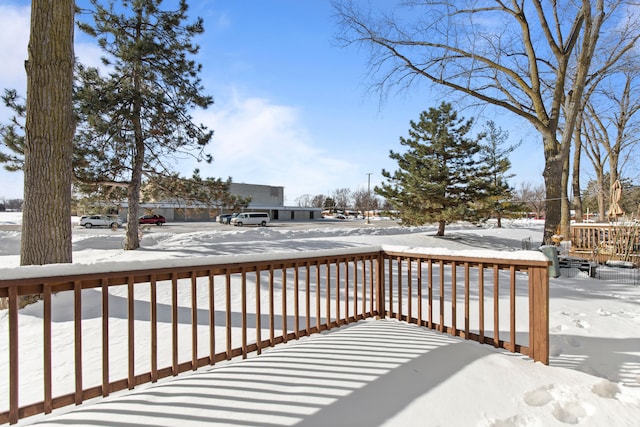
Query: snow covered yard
[[379, 372]]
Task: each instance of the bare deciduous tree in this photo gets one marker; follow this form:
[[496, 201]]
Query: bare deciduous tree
[[304, 200], [532, 196], [611, 129], [342, 198], [308, 201], [364, 200], [531, 58], [318, 201]]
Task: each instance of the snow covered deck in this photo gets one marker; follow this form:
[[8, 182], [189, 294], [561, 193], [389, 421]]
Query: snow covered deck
[[367, 373], [433, 378], [125, 328]]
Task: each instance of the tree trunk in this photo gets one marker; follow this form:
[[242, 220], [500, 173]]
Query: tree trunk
[[565, 220], [49, 130], [575, 177], [133, 237], [441, 225], [601, 195], [132, 240], [553, 206], [614, 159]]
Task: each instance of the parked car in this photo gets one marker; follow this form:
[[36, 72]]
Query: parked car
[[152, 219], [228, 219], [222, 219], [89, 221]]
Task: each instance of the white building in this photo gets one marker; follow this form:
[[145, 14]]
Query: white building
[[264, 198]]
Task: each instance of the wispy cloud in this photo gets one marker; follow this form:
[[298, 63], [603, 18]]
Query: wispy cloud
[[259, 142], [14, 38]]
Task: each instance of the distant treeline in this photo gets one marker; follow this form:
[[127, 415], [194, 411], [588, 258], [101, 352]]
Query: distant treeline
[[11, 205]]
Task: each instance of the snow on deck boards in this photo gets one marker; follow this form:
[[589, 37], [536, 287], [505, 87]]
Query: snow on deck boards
[[360, 374]]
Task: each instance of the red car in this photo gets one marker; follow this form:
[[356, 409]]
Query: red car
[[152, 219]]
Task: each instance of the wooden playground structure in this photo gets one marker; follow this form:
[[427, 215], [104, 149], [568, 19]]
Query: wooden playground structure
[[614, 241]]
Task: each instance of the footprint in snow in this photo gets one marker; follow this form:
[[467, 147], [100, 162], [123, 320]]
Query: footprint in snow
[[628, 315], [606, 389], [515, 421], [565, 411], [538, 397], [582, 324], [569, 412]]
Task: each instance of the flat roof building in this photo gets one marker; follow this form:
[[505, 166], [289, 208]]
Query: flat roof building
[[264, 198]]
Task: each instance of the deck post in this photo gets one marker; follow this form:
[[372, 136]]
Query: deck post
[[380, 287], [539, 314]]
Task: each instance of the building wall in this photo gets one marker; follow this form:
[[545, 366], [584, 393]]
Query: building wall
[[261, 195], [300, 214], [307, 214], [264, 198], [187, 214]]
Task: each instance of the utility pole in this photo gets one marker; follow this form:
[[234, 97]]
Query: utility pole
[[368, 195]]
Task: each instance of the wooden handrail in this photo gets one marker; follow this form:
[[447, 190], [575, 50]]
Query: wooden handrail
[[220, 324]]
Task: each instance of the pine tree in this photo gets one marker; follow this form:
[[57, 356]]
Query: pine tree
[[439, 177], [329, 204], [12, 134], [210, 193], [138, 116], [495, 158]]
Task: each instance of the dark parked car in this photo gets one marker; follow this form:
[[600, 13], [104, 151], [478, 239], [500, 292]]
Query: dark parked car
[[152, 219], [222, 219], [228, 219]]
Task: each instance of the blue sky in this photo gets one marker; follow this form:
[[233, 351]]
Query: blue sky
[[291, 108]]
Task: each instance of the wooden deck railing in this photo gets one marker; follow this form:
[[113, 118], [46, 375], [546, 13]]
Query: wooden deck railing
[[174, 319], [605, 242]]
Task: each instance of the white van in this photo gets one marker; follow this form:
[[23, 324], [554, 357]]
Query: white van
[[251, 218]]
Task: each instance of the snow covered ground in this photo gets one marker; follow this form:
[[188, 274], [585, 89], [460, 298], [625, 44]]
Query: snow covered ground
[[373, 372]]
